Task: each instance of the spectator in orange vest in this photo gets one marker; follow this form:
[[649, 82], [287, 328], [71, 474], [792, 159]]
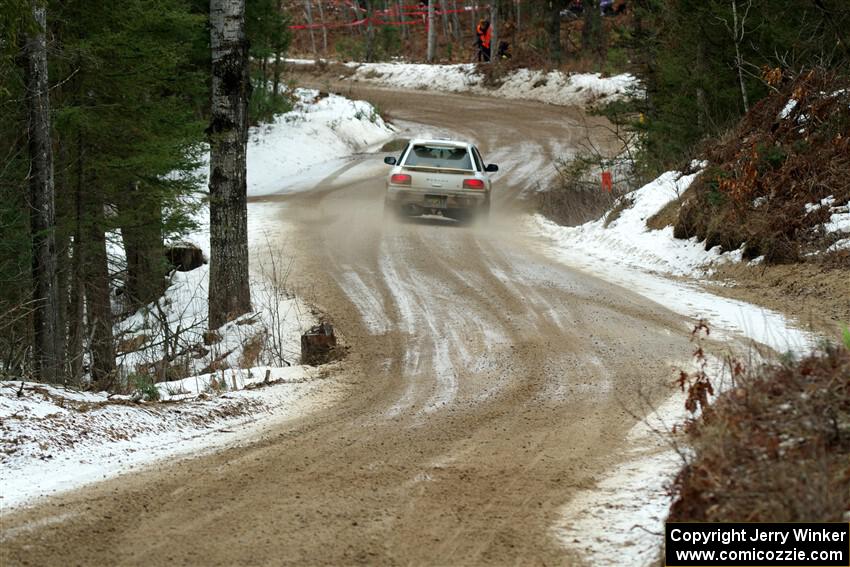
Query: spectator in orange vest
[[484, 34]]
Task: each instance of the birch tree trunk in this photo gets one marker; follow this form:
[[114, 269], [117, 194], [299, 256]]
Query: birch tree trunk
[[356, 8], [308, 11], [404, 32], [76, 309], [370, 31], [49, 338], [738, 36], [229, 292], [472, 15], [445, 17], [324, 28], [432, 31]]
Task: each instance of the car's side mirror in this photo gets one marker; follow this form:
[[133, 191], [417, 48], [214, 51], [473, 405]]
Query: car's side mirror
[[389, 160], [491, 167]]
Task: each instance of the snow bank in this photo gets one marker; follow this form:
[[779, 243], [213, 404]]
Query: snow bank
[[419, 76], [553, 87], [631, 255], [625, 510], [556, 87], [628, 241], [179, 320], [319, 130], [54, 439]]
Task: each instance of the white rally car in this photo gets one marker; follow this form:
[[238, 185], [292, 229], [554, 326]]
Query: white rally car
[[437, 176]]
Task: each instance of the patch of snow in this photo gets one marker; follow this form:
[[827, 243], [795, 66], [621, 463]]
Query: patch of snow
[[825, 202], [628, 241], [789, 107], [53, 439], [839, 220], [317, 131], [843, 244], [301, 61], [759, 201], [553, 87]]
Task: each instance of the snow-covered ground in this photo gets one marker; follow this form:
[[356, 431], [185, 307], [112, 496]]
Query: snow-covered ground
[[626, 509], [553, 87], [55, 439], [838, 223], [626, 240], [290, 153]]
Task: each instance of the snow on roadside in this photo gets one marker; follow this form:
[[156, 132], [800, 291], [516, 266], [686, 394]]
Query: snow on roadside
[[626, 508], [553, 87], [319, 130], [628, 253], [627, 241], [55, 439]]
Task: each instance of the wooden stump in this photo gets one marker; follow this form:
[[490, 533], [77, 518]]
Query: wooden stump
[[185, 257], [318, 344]]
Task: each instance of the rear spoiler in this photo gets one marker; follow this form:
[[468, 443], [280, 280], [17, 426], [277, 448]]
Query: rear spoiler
[[437, 169]]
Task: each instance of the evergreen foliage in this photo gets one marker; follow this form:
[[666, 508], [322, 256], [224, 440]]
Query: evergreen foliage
[[267, 28], [685, 54], [130, 101]]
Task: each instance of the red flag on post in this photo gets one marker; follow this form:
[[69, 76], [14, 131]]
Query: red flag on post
[[607, 181]]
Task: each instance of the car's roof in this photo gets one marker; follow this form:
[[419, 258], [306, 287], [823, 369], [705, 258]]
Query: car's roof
[[441, 142]]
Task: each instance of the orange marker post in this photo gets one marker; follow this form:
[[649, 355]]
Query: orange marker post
[[607, 181]]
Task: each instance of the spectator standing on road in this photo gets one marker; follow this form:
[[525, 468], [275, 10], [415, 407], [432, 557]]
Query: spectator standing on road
[[484, 34]]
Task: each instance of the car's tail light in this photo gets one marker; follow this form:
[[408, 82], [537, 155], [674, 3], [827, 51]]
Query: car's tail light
[[400, 179], [473, 184]]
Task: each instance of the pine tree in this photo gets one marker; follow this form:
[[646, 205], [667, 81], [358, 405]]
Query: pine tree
[[266, 26], [700, 74], [553, 27], [128, 127], [49, 337]]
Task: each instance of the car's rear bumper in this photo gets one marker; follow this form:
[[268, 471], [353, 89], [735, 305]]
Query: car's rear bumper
[[425, 199]]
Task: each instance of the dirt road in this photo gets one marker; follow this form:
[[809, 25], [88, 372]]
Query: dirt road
[[485, 385]]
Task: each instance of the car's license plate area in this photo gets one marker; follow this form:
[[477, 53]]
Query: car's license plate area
[[435, 201]]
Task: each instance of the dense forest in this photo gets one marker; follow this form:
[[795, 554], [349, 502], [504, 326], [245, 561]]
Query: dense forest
[[106, 116]]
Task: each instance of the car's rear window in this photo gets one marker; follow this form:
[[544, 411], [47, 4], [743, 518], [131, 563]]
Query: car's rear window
[[439, 156]]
